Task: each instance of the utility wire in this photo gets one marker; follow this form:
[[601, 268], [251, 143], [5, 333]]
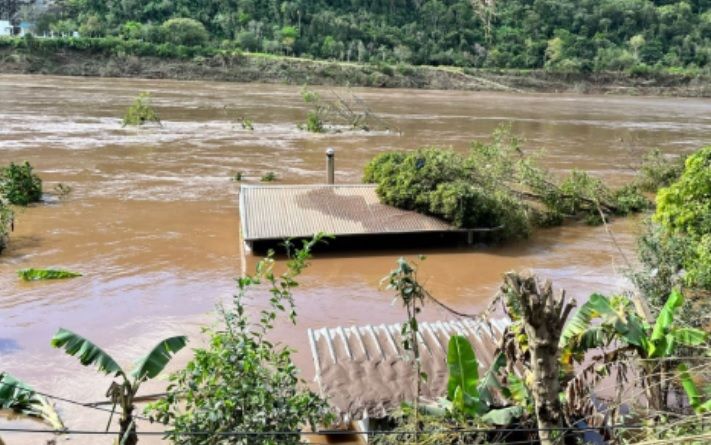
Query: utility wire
[[322, 433], [65, 400]]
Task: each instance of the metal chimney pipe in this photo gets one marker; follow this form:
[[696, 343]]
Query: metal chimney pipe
[[330, 164]]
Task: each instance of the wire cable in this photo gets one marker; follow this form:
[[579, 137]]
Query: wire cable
[[65, 400]]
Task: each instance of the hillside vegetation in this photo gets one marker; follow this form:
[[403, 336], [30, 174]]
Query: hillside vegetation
[[637, 36]]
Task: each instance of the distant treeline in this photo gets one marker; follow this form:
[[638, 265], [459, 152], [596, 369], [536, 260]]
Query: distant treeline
[[560, 35]]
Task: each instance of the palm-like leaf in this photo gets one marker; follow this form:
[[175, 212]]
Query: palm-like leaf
[[580, 322], [463, 367], [616, 320], [692, 391], [17, 396], [87, 352], [689, 336], [489, 383], [666, 316], [665, 336], [152, 364]]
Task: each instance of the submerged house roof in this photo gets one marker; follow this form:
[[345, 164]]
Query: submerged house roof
[[362, 373], [270, 212]]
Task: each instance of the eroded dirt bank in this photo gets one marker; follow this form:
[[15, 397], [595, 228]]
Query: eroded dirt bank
[[295, 71]]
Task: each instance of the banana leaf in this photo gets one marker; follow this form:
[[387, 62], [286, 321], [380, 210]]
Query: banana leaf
[[17, 396], [45, 274], [463, 367], [153, 363], [87, 352]]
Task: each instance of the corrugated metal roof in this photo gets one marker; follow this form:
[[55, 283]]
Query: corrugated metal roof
[[362, 372], [289, 211]]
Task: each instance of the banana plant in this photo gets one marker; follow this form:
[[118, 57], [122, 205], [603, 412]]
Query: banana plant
[[20, 398], [692, 391], [602, 321], [619, 322], [123, 392], [473, 396]]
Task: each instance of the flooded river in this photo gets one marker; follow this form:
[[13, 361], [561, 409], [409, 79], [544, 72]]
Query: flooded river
[[152, 221]]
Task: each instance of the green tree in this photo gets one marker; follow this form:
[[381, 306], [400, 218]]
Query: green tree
[[184, 31], [289, 35], [241, 381]]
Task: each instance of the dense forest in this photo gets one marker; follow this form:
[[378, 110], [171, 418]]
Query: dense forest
[[559, 35]]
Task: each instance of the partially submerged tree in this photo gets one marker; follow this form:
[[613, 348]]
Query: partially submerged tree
[[684, 211], [495, 186], [140, 112], [123, 392], [339, 111], [19, 185]]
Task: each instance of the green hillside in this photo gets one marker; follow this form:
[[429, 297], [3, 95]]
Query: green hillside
[[560, 35]]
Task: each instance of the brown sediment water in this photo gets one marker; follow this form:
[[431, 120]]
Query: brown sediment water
[[152, 220]]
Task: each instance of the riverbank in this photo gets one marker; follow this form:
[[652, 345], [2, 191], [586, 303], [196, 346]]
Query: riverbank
[[246, 67]]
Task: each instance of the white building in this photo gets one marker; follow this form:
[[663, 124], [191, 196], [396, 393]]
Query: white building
[[5, 28]]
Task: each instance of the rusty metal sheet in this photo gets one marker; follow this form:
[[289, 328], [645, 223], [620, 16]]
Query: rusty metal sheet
[[288, 211], [363, 371]]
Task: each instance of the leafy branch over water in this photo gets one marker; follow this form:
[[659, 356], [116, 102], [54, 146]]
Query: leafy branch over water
[[495, 185]]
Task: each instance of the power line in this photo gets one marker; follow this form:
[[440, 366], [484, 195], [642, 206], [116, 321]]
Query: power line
[[65, 400], [323, 433]]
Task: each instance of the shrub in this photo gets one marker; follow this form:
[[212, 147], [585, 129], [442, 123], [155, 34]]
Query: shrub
[[684, 211], [685, 206], [658, 171], [19, 185], [268, 177], [184, 31], [140, 112], [241, 381], [6, 224], [313, 122]]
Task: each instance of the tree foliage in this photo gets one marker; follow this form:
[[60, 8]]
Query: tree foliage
[[495, 186], [184, 31], [241, 381], [586, 35], [674, 250], [684, 210], [140, 112], [7, 217], [19, 185]]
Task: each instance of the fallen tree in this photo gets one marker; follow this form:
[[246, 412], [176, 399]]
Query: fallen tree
[[495, 185]]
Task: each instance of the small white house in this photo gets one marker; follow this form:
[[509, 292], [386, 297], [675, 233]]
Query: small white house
[[5, 28], [25, 28]]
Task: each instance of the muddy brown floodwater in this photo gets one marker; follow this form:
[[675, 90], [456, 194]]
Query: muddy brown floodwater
[[152, 220]]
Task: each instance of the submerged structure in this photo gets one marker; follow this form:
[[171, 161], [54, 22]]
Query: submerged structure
[[360, 370], [277, 212]]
